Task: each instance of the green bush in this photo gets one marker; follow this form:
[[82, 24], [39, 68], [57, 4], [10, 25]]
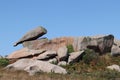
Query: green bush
[[4, 62], [90, 56], [70, 48]]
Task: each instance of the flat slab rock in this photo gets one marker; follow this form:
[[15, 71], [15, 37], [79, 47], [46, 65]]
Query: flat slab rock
[[24, 52]]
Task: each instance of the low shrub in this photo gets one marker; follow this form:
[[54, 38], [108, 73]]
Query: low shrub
[[70, 48], [4, 62], [90, 56]]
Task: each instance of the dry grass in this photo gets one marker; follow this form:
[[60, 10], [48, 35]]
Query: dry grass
[[21, 75]]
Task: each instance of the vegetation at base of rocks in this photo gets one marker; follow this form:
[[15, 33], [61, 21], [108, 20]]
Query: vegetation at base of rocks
[[94, 69], [54, 62], [95, 75], [90, 56], [70, 48], [99, 65], [4, 62]]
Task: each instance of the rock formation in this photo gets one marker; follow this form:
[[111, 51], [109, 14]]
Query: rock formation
[[56, 50], [100, 44]]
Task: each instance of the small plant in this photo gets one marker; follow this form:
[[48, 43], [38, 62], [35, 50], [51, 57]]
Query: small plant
[[70, 48], [90, 57], [4, 62], [54, 62]]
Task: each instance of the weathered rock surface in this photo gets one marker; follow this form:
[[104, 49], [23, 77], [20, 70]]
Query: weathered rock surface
[[47, 55], [36, 47], [114, 67], [32, 35], [115, 51], [36, 44], [56, 51], [25, 53], [117, 42], [105, 43], [41, 66], [75, 57], [101, 44], [62, 53], [34, 66], [77, 43], [53, 44], [21, 64]]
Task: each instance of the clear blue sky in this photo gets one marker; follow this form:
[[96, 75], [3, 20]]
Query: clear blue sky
[[59, 17]]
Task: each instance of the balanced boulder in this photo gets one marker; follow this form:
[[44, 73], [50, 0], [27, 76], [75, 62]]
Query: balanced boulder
[[32, 35]]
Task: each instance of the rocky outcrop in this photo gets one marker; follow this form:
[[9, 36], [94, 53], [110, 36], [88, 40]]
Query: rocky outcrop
[[32, 35], [99, 44], [34, 66], [56, 51], [44, 49]]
